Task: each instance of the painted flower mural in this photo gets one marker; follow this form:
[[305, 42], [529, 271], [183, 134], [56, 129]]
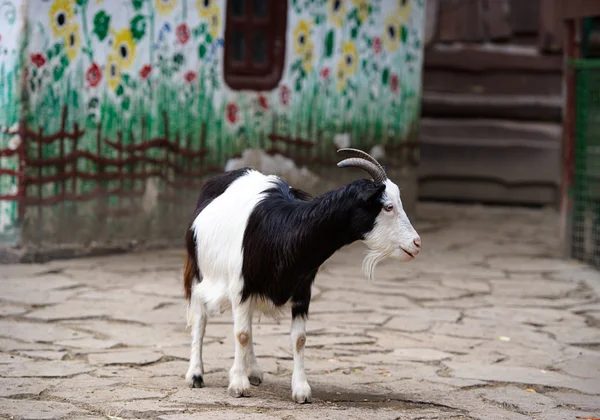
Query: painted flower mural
[[61, 15], [111, 66]]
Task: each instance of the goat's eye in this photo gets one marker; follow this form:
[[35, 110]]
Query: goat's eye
[[388, 207]]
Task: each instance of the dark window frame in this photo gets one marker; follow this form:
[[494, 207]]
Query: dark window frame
[[247, 74]]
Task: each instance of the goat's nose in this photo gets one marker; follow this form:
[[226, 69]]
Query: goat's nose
[[417, 242]]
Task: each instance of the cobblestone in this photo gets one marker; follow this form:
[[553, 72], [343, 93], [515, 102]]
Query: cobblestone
[[481, 325]]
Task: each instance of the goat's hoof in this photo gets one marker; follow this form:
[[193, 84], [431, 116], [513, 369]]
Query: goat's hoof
[[239, 387], [194, 379], [302, 394], [256, 378]]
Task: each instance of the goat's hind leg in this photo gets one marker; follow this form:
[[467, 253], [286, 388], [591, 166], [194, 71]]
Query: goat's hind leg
[[197, 318], [239, 384], [255, 376]]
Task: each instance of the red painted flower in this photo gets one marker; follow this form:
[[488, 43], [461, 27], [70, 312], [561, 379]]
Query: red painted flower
[[183, 33], [325, 73], [285, 95], [190, 76], [145, 71], [93, 75], [38, 59], [377, 45], [232, 110], [262, 101], [394, 83]]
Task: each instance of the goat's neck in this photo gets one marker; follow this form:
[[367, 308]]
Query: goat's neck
[[326, 227]]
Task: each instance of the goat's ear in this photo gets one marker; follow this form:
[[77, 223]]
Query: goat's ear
[[372, 191]]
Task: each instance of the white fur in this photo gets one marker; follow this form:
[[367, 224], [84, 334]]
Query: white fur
[[392, 234]]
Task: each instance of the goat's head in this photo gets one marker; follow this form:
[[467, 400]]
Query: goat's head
[[392, 234]]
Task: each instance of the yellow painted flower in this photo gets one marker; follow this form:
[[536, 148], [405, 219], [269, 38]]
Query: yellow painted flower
[[113, 71], [214, 22], [301, 36], [349, 57], [124, 48], [72, 41], [205, 7], [391, 35], [337, 12], [404, 9], [165, 7], [308, 58], [340, 76], [362, 9], [61, 14]]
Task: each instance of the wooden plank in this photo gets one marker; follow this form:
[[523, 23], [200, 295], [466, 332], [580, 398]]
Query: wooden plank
[[524, 16], [478, 60], [431, 20], [577, 9], [501, 83], [450, 17], [550, 36], [515, 107], [496, 19], [472, 25]]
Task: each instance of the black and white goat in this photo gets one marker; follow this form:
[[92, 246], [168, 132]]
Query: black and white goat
[[255, 244]]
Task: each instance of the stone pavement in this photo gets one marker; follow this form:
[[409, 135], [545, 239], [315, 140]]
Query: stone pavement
[[487, 323]]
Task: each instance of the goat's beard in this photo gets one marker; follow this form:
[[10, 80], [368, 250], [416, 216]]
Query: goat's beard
[[370, 262]]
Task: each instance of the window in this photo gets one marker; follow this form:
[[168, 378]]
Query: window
[[255, 43]]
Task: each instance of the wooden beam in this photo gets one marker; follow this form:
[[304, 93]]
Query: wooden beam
[[577, 9], [550, 38], [477, 60]]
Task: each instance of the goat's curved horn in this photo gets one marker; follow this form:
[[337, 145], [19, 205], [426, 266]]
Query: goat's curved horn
[[364, 155], [376, 173]]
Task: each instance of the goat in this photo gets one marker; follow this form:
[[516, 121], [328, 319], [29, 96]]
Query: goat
[[255, 244]]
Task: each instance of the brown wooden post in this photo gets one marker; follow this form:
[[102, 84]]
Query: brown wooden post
[[40, 174], [568, 138]]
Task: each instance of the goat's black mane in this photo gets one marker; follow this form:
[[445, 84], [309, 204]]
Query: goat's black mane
[[288, 236]]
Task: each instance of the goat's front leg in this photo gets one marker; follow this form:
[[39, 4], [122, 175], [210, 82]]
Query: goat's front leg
[[301, 392], [239, 385]]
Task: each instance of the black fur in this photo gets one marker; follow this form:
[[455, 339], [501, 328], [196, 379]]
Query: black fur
[[211, 190], [288, 237]]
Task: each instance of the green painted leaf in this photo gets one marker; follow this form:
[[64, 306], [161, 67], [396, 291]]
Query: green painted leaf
[[209, 38], [57, 73], [364, 64], [74, 99], [138, 27], [126, 79], [101, 24], [93, 103], [137, 4], [64, 60], [81, 2], [354, 32], [120, 90], [404, 34], [126, 102], [349, 104], [385, 77], [50, 54], [202, 50], [298, 84], [178, 59], [58, 47], [329, 42]]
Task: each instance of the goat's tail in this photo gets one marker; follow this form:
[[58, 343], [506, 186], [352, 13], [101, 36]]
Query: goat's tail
[[191, 270]]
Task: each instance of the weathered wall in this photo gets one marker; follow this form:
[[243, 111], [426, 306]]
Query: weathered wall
[[127, 109], [11, 28]]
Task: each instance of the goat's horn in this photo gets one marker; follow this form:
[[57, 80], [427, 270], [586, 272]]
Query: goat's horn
[[376, 173], [364, 155]]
